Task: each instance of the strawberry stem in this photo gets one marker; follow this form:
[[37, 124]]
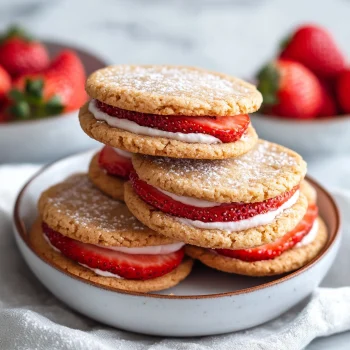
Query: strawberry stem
[[269, 79], [16, 32]]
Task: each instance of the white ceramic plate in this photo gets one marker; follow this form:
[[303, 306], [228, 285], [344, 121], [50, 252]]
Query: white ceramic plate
[[207, 302], [310, 138], [50, 138]]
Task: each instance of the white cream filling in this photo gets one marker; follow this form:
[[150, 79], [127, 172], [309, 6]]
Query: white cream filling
[[151, 250], [101, 272], [200, 203], [310, 237], [123, 153], [144, 130], [255, 221]]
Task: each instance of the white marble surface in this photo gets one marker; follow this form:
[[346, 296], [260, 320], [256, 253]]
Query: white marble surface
[[231, 36]]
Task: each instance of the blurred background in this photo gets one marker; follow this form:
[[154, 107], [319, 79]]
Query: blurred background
[[233, 36]]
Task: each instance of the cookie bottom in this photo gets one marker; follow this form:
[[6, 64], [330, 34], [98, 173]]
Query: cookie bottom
[[160, 146], [288, 261], [41, 247], [169, 226], [112, 186]]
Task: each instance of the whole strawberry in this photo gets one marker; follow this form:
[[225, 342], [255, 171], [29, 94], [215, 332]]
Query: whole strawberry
[[343, 91], [290, 90], [315, 48], [19, 54], [59, 88], [5, 83]]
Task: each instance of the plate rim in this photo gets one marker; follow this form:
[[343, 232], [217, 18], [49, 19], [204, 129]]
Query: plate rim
[[23, 234]]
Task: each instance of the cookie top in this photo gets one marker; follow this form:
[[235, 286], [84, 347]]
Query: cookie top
[[173, 90], [265, 172], [161, 146], [77, 209]]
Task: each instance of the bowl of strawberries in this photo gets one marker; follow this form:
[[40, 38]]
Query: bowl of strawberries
[[41, 90], [306, 91]]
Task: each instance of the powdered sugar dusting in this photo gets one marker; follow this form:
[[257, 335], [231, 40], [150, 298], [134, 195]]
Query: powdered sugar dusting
[[172, 81], [266, 162], [86, 206]]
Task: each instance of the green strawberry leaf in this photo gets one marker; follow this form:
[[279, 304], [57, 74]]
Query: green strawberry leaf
[[34, 88], [54, 106], [20, 110], [15, 31], [269, 81], [16, 95]]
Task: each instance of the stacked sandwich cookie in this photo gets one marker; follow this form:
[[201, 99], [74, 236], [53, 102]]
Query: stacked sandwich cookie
[[96, 238], [200, 174]]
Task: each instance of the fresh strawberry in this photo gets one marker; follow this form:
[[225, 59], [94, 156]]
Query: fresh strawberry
[[315, 48], [329, 104], [114, 163], [128, 266], [275, 249], [290, 90], [20, 55], [343, 91], [227, 129], [5, 83], [59, 88], [220, 213]]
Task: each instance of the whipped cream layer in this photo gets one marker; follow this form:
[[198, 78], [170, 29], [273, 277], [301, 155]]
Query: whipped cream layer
[[245, 224], [123, 153], [310, 237], [135, 128], [101, 272]]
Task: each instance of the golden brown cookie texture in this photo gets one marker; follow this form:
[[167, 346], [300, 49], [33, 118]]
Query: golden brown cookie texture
[[172, 227], [110, 185], [173, 90], [161, 146], [288, 261], [77, 209], [265, 172], [41, 247]]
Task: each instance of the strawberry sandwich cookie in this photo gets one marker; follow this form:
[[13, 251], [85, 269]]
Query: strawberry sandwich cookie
[[288, 253], [87, 234], [233, 203], [109, 169], [170, 111]]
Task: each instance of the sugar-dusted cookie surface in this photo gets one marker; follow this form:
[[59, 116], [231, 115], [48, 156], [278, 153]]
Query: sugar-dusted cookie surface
[[77, 209], [112, 186], [173, 90], [169, 280], [288, 261], [265, 172]]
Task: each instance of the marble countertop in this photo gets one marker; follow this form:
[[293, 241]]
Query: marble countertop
[[232, 36]]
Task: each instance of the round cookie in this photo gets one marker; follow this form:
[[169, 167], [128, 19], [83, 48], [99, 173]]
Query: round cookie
[[110, 185], [170, 226], [41, 247], [265, 172], [173, 90], [77, 209], [160, 146], [288, 261]]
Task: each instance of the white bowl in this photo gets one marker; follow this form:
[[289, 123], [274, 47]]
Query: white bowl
[[207, 302], [50, 138], [311, 138]]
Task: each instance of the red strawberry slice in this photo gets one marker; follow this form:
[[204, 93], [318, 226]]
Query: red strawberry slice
[[275, 249], [128, 266], [227, 129], [221, 213], [114, 163]]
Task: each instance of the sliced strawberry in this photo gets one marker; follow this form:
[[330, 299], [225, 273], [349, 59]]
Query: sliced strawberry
[[128, 266], [227, 129], [114, 163], [275, 249], [221, 213]]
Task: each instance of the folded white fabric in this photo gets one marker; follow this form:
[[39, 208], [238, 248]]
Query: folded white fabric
[[31, 318]]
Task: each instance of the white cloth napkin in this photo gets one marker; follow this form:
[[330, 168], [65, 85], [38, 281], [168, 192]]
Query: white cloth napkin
[[31, 318]]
